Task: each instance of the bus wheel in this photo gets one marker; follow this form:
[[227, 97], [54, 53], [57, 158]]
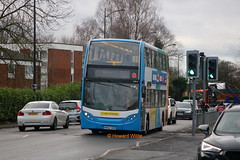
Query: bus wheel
[[95, 131], [162, 119], [147, 127]]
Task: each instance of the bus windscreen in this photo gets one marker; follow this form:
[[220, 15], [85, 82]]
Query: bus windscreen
[[114, 53]]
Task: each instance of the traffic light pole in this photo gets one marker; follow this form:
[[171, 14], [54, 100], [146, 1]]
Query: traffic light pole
[[204, 75], [194, 108]]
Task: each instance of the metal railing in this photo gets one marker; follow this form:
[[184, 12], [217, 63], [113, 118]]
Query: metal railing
[[206, 118]]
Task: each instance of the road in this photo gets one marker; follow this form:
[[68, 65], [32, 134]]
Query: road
[[73, 143]]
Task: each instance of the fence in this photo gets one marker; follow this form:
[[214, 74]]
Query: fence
[[206, 118]]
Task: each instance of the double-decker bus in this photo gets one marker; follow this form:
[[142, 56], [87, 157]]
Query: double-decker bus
[[124, 86]]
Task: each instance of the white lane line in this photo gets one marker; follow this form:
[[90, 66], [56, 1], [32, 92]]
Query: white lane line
[[25, 136]]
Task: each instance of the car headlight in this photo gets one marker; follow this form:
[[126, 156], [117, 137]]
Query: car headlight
[[188, 111], [208, 147]]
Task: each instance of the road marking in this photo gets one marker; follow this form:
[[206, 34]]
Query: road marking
[[153, 141], [25, 136]]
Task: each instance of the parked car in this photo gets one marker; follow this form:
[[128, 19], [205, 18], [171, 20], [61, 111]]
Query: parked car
[[73, 107], [172, 111], [223, 143], [191, 101], [41, 114], [184, 110]]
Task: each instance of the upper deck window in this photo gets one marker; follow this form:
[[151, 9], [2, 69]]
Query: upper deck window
[[114, 53]]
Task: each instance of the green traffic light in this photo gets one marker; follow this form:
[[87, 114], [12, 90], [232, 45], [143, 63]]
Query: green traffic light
[[211, 76], [191, 72]]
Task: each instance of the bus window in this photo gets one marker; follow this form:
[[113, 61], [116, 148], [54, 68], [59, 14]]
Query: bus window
[[149, 57], [159, 99], [152, 98], [163, 98], [146, 57], [153, 59], [164, 62], [157, 61], [148, 98], [156, 98]]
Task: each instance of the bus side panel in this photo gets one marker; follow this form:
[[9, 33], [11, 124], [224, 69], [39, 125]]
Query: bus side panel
[[154, 118], [158, 118]]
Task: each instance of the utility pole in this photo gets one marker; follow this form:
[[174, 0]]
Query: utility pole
[[193, 62], [204, 79], [194, 108], [34, 85]]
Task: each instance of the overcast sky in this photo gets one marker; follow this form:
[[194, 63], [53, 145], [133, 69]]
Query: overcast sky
[[211, 26]]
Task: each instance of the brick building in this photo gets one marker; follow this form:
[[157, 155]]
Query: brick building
[[55, 64]]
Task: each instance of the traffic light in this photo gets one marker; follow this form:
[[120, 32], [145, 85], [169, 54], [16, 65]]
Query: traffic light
[[193, 64], [212, 68]]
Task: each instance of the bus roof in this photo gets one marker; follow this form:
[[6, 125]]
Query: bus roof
[[134, 41]]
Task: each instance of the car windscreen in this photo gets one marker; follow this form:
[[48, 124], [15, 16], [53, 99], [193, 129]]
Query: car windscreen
[[183, 105], [229, 123], [68, 105], [37, 105]]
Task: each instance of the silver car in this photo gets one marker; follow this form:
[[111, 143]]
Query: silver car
[[41, 114], [73, 108]]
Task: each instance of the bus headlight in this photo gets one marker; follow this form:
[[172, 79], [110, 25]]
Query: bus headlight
[[131, 117], [88, 115]]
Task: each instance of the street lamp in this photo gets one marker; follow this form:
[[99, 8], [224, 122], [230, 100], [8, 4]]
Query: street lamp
[[105, 16], [34, 85]]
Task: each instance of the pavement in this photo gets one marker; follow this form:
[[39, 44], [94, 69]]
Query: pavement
[[165, 145], [8, 124]]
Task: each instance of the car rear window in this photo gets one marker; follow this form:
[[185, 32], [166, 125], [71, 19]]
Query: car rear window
[[68, 105], [37, 105]]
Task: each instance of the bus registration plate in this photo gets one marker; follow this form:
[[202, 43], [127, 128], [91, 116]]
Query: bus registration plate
[[109, 127]]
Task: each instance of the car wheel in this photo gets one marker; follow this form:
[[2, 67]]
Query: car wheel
[[163, 120], [169, 122], [54, 125], [174, 121], [67, 123], [21, 128], [36, 127]]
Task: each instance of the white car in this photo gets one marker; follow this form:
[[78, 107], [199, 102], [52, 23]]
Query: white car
[[172, 111], [73, 108], [41, 114]]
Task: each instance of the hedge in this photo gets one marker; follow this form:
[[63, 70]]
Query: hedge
[[12, 100]]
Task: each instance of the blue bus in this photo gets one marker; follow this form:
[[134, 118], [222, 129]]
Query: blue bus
[[124, 86]]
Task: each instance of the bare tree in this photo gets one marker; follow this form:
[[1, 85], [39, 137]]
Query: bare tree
[[16, 19], [228, 72], [86, 31], [139, 20]]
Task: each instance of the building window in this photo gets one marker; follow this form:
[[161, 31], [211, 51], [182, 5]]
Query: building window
[[28, 72], [11, 70]]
